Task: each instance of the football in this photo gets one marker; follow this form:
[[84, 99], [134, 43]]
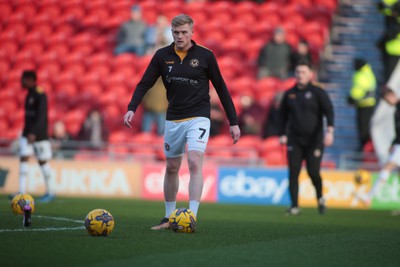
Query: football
[[19, 201], [183, 220], [362, 176], [99, 222]]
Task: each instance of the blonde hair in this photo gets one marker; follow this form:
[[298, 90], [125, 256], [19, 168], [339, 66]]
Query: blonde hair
[[182, 19]]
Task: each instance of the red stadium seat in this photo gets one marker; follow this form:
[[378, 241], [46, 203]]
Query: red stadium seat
[[275, 158], [268, 84], [270, 143], [52, 68], [45, 29], [18, 28], [245, 7], [220, 154], [292, 39], [144, 138], [5, 9], [118, 137], [75, 57], [67, 28], [77, 69], [102, 69], [195, 7], [4, 66], [265, 97], [243, 85], [98, 59], [249, 141], [66, 91], [220, 141], [61, 49], [287, 84], [29, 10], [72, 13], [95, 4], [32, 37], [36, 48]]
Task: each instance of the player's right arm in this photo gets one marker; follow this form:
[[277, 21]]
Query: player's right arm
[[148, 80], [284, 118]]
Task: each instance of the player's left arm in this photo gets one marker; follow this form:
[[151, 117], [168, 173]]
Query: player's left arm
[[215, 76], [328, 112]]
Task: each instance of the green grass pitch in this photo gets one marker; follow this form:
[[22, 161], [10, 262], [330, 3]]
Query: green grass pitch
[[227, 235]]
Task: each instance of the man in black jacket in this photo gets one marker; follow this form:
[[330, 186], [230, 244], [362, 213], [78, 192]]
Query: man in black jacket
[[303, 109], [35, 139], [186, 69]]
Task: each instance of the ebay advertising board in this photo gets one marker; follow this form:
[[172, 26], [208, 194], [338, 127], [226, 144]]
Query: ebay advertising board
[[253, 186]]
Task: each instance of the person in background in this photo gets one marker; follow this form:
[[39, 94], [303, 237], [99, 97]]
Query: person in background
[[131, 35], [186, 70], [35, 139], [274, 57], [362, 96], [272, 124], [155, 106], [60, 140], [93, 130], [303, 109], [250, 116], [301, 53], [158, 35], [390, 97]]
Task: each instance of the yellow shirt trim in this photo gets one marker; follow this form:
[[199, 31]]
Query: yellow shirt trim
[[181, 54], [39, 89], [182, 120]]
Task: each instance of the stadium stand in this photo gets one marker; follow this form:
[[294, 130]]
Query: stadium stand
[[70, 44]]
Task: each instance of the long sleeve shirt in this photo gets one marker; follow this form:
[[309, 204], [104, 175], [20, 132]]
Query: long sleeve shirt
[[186, 82]]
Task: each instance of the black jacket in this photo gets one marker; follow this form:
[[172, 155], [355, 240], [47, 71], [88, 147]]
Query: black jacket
[[186, 82], [36, 114], [302, 112]]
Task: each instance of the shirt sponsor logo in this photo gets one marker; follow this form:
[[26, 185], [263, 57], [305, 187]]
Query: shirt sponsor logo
[[192, 82], [169, 62], [308, 95]]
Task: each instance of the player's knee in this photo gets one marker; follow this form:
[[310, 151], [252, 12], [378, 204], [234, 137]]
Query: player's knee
[[172, 167], [195, 162]]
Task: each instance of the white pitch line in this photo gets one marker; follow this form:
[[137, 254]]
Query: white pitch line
[[58, 218], [42, 229]]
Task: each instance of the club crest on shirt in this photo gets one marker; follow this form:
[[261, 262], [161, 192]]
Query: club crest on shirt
[[308, 95], [31, 100], [194, 63], [166, 146]]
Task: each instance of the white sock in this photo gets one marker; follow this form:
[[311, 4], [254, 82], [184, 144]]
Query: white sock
[[382, 178], [23, 173], [194, 206], [46, 171], [169, 208]]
